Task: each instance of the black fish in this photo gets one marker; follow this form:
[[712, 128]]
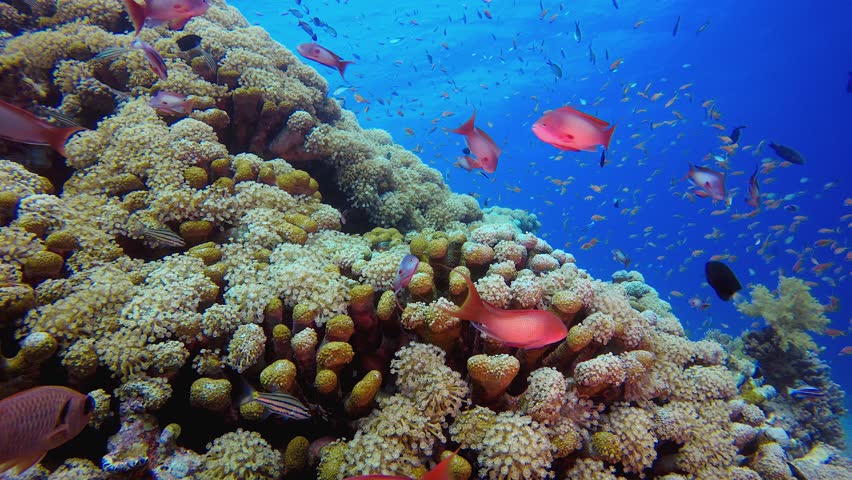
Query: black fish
[[616, 203], [722, 279], [555, 69], [677, 24], [849, 85], [188, 42], [735, 134], [466, 151], [307, 28], [615, 4], [330, 31], [318, 22], [296, 13], [787, 153], [604, 160]]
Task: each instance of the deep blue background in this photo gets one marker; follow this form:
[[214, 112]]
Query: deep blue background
[[780, 68]]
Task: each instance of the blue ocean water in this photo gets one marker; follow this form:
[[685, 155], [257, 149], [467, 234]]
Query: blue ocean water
[[778, 68]]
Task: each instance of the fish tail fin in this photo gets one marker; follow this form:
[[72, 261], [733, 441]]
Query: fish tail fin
[[341, 67], [467, 127], [608, 136], [59, 136], [473, 308], [136, 12]]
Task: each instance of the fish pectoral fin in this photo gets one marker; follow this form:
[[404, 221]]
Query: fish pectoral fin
[[19, 465], [58, 436]]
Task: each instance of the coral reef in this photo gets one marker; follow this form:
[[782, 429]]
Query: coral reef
[[182, 262]]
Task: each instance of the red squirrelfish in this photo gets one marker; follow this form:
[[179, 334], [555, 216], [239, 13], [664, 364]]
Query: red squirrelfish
[[515, 328], [37, 420], [567, 128], [711, 182], [480, 145], [440, 472], [171, 102], [19, 125], [753, 198], [320, 54], [157, 12]]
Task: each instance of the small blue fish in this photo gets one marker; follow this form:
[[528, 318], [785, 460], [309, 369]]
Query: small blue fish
[[805, 391]]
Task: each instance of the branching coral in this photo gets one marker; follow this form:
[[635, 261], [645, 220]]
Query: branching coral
[[791, 312]]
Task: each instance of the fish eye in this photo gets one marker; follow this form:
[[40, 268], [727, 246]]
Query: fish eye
[[89, 406]]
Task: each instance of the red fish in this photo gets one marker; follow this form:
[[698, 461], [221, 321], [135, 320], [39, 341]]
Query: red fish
[[37, 420], [320, 54], [170, 102], [407, 269], [711, 182], [440, 472], [480, 145], [19, 125], [157, 12], [515, 328], [567, 128], [753, 191]]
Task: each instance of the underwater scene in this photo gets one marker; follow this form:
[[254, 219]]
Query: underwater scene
[[500, 239]]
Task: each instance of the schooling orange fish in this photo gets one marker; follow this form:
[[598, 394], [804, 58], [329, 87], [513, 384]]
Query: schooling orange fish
[[19, 125], [37, 420], [515, 328], [440, 472]]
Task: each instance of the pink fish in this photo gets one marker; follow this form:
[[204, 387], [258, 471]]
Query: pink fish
[[753, 190], [698, 304], [157, 12], [710, 182], [440, 472], [37, 420], [407, 269], [567, 128], [480, 145], [19, 125], [171, 102], [158, 65], [515, 328], [320, 54]]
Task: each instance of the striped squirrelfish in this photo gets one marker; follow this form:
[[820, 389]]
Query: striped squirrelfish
[[157, 12], [37, 420], [515, 328], [19, 125], [440, 472]]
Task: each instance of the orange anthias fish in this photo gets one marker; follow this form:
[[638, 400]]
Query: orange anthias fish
[[480, 145], [157, 12], [440, 472], [37, 420], [320, 54], [567, 128], [515, 328], [19, 125]]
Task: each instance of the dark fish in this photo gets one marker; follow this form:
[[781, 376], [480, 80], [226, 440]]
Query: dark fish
[[388, 156], [606, 54], [318, 22], [805, 391], [188, 42], [592, 56], [787, 153], [849, 84], [307, 28], [735, 134], [483, 174], [578, 34], [677, 24], [330, 31], [615, 4], [429, 57], [604, 161], [722, 279], [283, 404], [555, 69], [296, 13], [616, 202], [466, 151]]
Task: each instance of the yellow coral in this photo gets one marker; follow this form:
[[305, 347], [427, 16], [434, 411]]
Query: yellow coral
[[325, 381], [493, 373], [339, 328], [211, 394], [791, 313], [334, 355], [363, 394], [279, 376], [43, 265], [296, 454]]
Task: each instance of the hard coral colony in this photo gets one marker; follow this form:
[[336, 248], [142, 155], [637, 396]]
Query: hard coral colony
[[189, 252]]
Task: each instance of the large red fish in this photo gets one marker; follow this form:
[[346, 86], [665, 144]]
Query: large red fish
[[515, 328], [19, 125], [567, 128], [156, 12], [440, 472], [480, 145], [710, 182], [320, 54], [37, 420]]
